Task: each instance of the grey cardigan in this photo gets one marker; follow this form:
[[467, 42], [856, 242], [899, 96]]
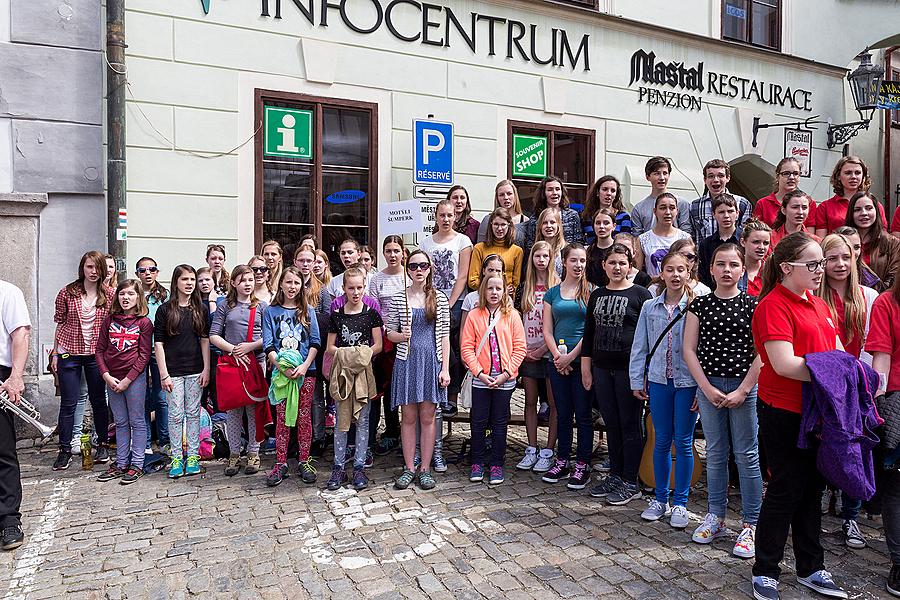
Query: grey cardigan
[[398, 313]]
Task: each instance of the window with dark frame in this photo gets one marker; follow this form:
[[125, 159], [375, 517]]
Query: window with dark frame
[[570, 157], [334, 194], [582, 3], [754, 22]]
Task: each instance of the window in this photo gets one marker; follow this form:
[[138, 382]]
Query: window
[[330, 189], [570, 156], [583, 3], [755, 22]]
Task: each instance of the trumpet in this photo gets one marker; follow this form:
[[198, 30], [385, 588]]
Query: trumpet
[[26, 411]]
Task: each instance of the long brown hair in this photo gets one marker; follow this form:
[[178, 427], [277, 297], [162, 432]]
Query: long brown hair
[[430, 292], [540, 195], [459, 224], [326, 275], [302, 312], [854, 300], [661, 284], [592, 202], [140, 304], [236, 275], [531, 275], [835, 180], [198, 308], [584, 288], [224, 281], [781, 217], [76, 288], [274, 276], [510, 238], [788, 250], [875, 238]]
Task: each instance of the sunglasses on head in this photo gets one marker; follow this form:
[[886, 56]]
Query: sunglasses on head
[[260, 269], [689, 256], [418, 266], [147, 269]]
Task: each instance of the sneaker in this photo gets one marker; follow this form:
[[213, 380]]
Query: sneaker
[[277, 474], [101, 455], [404, 480], [544, 412], [580, 476], [76, 448], [131, 475], [602, 466], [544, 461], [827, 499], [234, 466], [765, 588], [450, 411], [893, 581], [193, 466], [853, 537], [529, 460], [166, 449], [711, 528], [679, 517], [656, 511], [559, 470], [624, 493], [745, 546], [359, 481], [62, 461], [821, 582], [496, 477], [476, 475], [12, 537], [176, 469], [606, 486], [438, 462], [307, 472], [426, 481], [113, 472], [252, 467], [148, 451], [386, 445], [338, 478], [370, 458]]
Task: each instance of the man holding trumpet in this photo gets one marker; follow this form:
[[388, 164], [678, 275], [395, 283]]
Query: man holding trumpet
[[15, 330]]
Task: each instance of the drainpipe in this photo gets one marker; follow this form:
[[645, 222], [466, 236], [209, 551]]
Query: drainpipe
[[887, 134], [115, 127]]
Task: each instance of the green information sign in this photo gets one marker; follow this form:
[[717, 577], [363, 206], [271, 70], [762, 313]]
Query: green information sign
[[529, 156], [288, 132]]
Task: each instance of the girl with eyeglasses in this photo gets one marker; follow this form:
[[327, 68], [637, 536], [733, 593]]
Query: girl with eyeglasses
[[419, 323], [261, 274], [787, 178], [792, 216], [880, 251], [500, 241], [688, 249], [506, 195], [790, 322], [273, 255], [849, 177], [215, 260], [147, 271]]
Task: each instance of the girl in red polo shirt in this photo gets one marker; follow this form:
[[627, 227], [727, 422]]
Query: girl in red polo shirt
[[792, 216], [850, 175], [787, 177], [789, 323]]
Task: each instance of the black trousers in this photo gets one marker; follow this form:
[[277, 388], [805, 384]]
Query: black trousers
[[622, 415], [793, 498], [10, 475]]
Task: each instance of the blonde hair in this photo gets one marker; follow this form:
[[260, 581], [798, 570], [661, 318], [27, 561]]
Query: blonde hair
[[584, 288], [661, 284], [505, 301], [274, 275], [530, 284], [637, 254], [517, 203], [853, 299], [558, 241], [326, 274]]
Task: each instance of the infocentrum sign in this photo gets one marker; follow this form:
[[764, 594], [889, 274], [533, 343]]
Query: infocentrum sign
[[412, 21]]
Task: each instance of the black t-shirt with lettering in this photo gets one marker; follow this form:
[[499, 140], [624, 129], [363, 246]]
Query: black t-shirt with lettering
[[354, 330], [725, 344], [612, 317]]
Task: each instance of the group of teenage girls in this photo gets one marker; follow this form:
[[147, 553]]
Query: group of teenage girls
[[709, 313]]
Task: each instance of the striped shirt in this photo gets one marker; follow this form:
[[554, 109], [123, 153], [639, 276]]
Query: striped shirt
[[398, 313]]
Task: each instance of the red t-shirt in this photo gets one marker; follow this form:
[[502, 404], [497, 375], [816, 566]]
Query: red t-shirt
[[779, 234], [884, 334], [832, 213], [806, 323], [895, 221], [754, 286], [767, 208]]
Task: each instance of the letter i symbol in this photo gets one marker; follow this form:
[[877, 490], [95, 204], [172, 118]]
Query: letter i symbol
[[288, 135]]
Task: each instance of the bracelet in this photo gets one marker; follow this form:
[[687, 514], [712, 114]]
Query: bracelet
[[166, 377]]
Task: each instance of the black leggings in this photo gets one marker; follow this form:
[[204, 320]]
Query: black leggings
[[622, 415]]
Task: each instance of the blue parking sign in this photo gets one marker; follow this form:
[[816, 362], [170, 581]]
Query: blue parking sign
[[432, 152]]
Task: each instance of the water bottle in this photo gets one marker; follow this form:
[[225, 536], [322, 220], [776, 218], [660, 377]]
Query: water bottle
[[563, 349], [87, 459]]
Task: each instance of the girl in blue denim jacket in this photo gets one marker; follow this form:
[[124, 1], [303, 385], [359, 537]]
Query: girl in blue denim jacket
[[670, 388]]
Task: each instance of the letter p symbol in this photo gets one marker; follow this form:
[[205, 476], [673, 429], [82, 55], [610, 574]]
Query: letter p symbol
[[432, 141]]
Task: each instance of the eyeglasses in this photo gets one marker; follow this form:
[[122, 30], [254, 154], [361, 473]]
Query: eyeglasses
[[812, 266], [260, 269], [418, 266], [147, 269], [790, 173], [688, 256]]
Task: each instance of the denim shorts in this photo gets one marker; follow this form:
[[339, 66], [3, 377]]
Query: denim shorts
[[536, 369]]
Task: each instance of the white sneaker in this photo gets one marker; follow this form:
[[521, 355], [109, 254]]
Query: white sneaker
[[544, 461], [745, 546], [711, 528], [679, 518], [656, 511], [76, 449], [529, 460]]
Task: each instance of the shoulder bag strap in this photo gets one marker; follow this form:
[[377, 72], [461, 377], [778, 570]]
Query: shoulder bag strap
[[487, 334], [662, 335], [251, 323]]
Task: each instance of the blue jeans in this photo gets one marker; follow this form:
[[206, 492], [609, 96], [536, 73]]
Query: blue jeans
[[69, 370], [156, 402], [728, 429], [674, 423], [131, 429], [572, 400]]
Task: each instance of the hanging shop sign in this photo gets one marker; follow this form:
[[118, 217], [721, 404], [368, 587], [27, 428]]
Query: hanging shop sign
[[287, 132], [798, 145], [415, 22], [889, 95], [529, 156], [689, 83]]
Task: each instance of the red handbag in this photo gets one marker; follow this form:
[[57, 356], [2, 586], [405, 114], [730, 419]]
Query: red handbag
[[240, 385]]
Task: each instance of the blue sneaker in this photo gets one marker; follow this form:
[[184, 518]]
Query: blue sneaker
[[476, 474], [496, 477], [176, 470], [193, 466], [821, 582]]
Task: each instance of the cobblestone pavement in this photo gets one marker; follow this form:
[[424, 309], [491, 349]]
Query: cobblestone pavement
[[224, 537]]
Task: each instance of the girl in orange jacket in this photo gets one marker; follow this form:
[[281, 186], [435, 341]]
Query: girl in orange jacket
[[494, 367]]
